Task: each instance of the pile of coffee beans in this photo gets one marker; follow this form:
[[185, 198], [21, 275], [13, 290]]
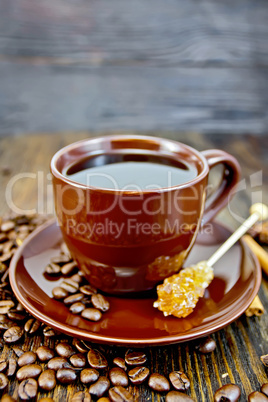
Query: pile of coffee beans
[[28, 370]]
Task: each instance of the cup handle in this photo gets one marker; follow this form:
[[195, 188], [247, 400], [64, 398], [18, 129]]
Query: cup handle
[[219, 198]]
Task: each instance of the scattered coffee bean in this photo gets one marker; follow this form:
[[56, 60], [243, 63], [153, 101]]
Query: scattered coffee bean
[[231, 393], [12, 365], [100, 302], [66, 376], [78, 360], [7, 226], [58, 363], [60, 259], [96, 359], [81, 346], [264, 389], [179, 380], [69, 285], [13, 334], [27, 358], [28, 389], [104, 399], [118, 377], [3, 365], [49, 332], [176, 396], [18, 351], [16, 315], [138, 375], [207, 345], [5, 306], [28, 371], [59, 293], [64, 349], [47, 380], [135, 358], [89, 375], [100, 387], [81, 396], [77, 308], [73, 298], [257, 397], [91, 314], [88, 290], [3, 382], [120, 394], [32, 326], [68, 268], [7, 398], [158, 382], [44, 353], [120, 362], [77, 278], [52, 269]]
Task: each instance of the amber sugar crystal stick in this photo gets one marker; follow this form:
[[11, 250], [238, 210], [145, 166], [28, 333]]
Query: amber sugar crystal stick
[[179, 294]]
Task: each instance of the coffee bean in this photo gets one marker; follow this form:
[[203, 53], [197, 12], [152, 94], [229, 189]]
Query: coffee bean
[[81, 396], [16, 315], [118, 377], [77, 308], [64, 349], [120, 362], [89, 375], [175, 396], [104, 399], [120, 394], [231, 393], [257, 397], [6, 257], [91, 314], [69, 285], [96, 359], [27, 358], [3, 382], [100, 302], [47, 380], [52, 269], [18, 351], [58, 363], [49, 332], [158, 382], [44, 353], [12, 365], [179, 380], [59, 293], [66, 376], [138, 375], [77, 278], [135, 358], [5, 306], [81, 346], [7, 226], [28, 389], [68, 268], [88, 290], [29, 371], [3, 364], [78, 360], [32, 326], [264, 389], [73, 298], [100, 387], [207, 345], [60, 259], [13, 334], [7, 398]]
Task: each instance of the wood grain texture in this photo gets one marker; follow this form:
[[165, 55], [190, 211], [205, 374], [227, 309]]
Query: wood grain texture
[[136, 65], [239, 345]]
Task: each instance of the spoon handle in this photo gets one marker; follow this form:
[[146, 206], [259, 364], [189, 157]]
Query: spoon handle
[[259, 212]]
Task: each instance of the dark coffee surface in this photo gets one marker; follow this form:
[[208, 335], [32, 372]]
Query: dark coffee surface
[[131, 172]]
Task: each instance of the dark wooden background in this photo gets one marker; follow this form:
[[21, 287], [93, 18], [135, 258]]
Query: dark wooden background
[[144, 65]]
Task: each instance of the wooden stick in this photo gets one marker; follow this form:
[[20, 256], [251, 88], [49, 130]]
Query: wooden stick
[[260, 253], [255, 308]]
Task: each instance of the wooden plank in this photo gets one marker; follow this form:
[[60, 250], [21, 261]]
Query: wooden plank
[[46, 98]]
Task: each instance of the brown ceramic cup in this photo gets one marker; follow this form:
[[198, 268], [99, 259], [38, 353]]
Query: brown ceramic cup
[[127, 240]]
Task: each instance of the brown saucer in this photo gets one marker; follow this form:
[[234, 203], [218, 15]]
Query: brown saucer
[[135, 321]]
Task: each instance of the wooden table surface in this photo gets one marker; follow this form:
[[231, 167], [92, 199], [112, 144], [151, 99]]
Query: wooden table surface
[[239, 345]]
